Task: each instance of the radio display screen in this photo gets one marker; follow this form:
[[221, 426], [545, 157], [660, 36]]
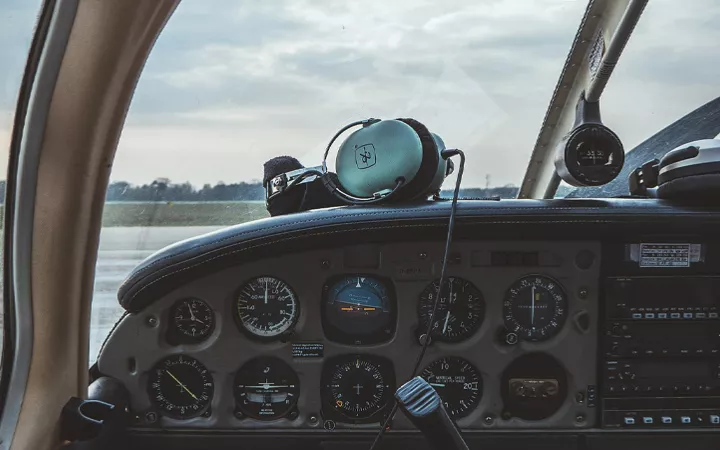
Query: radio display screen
[[664, 292], [672, 369]]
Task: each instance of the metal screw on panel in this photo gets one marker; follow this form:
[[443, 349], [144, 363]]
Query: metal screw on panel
[[580, 397], [422, 338], [489, 419], [239, 415], [325, 264], [151, 417], [580, 418], [583, 293], [313, 419], [152, 321], [207, 413], [422, 255], [293, 414]]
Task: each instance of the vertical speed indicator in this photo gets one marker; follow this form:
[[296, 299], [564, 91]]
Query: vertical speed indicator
[[266, 308]]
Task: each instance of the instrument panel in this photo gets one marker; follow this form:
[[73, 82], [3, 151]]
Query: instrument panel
[[321, 339]]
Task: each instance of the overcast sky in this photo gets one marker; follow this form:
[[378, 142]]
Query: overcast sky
[[232, 83]]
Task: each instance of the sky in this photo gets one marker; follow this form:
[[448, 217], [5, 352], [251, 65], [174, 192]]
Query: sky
[[233, 83]]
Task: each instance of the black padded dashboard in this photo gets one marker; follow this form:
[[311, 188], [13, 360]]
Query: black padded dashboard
[[577, 244]]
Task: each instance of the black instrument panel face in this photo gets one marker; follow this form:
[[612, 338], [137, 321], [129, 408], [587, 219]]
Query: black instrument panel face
[[459, 312], [362, 312], [357, 388]]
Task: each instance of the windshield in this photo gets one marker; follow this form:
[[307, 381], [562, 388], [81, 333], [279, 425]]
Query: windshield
[[232, 84]]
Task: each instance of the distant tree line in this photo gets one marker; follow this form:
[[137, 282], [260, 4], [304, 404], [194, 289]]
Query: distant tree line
[[163, 190]]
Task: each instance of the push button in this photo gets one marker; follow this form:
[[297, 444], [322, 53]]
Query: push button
[[666, 419], [649, 315], [629, 421], [662, 315], [674, 315], [687, 315], [714, 419], [648, 420], [637, 316], [685, 419]]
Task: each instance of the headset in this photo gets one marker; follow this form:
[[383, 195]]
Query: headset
[[395, 160], [688, 173]]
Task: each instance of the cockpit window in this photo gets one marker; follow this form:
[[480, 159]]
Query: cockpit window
[[17, 20], [232, 84]]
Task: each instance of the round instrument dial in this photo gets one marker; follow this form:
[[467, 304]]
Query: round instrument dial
[[192, 319], [358, 310], [266, 308], [358, 386], [459, 313], [266, 388], [180, 387], [458, 383], [535, 307]]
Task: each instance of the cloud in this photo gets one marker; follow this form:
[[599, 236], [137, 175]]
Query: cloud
[[230, 84]]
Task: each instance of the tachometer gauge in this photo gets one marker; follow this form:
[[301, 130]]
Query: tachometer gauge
[[458, 383], [357, 387], [266, 388], [192, 320], [266, 308], [358, 310], [460, 311], [180, 387], [535, 307]]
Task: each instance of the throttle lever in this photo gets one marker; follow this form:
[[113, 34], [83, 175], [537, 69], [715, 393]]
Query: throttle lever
[[422, 405]]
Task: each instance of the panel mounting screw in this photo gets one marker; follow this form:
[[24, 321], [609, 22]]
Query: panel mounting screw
[[422, 255], [239, 415], [313, 419], [152, 321], [580, 397], [489, 419], [580, 418], [293, 414], [151, 417], [583, 293], [325, 264]]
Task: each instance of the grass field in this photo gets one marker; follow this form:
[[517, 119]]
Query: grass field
[[146, 214]]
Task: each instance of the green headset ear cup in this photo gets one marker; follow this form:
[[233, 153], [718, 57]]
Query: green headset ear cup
[[421, 182]]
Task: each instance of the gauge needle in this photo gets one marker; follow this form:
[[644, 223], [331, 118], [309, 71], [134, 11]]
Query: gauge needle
[[447, 316], [436, 384], [181, 385], [266, 289], [532, 306], [192, 315]]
